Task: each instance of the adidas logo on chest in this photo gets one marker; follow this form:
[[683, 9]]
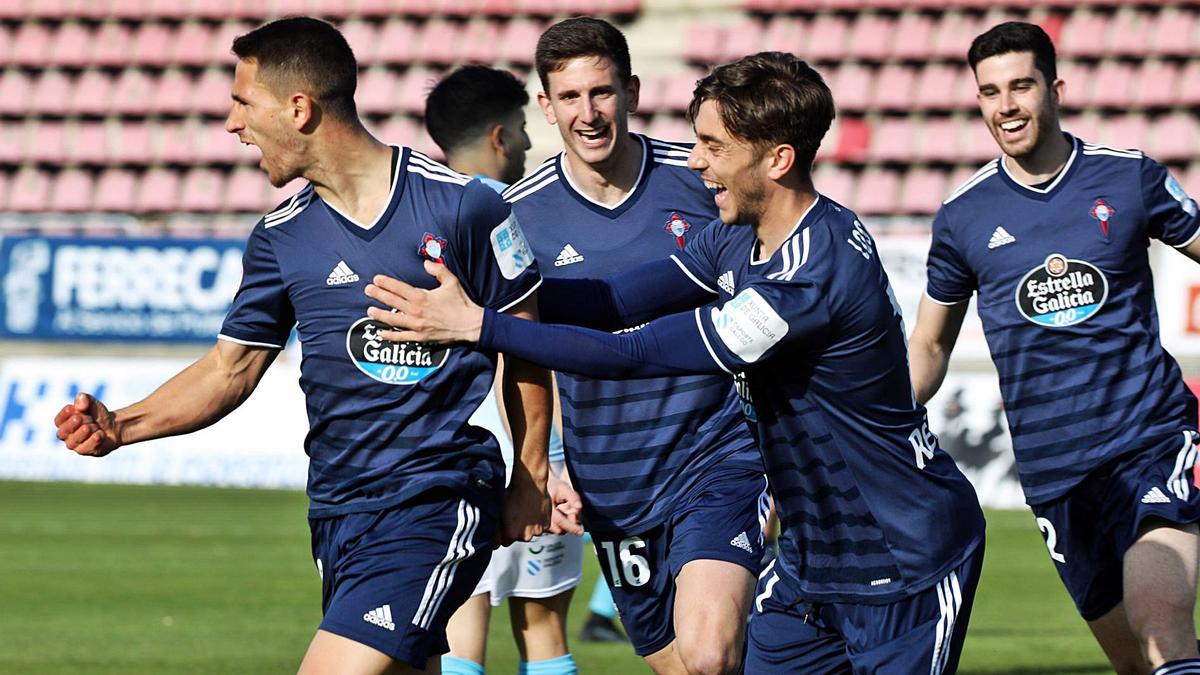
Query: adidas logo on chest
[[567, 256], [341, 274], [1001, 237]]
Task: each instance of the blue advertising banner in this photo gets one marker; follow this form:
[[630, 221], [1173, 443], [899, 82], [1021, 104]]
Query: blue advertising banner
[[163, 290]]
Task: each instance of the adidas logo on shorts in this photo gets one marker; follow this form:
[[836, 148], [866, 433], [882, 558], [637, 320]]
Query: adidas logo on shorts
[[743, 542], [1155, 496], [381, 616]]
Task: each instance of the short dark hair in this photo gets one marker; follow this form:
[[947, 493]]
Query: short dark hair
[[576, 37], [302, 53], [768, 99], [1016, 36], [469, 102]]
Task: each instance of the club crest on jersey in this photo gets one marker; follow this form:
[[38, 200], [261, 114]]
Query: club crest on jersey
[[432, 247], [678, 227], [1061, 292], [1103, 213], [391, 362]]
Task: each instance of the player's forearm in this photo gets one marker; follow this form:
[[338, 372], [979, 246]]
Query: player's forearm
[[928, 363], [196, 397], [629, 298], [527, 403]]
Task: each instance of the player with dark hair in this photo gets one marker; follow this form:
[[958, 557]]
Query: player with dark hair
[[476, 115], [1053, 236], [671, 480], [405, 495], [882, 538]]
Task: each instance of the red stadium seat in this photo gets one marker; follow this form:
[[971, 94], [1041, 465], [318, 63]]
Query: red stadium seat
[[1085, 126], [398, 130], [1112, 85], [1156, 85], [439, 42], [853, 141], [245, 191], [1189, 84], [210, 92], [15, 92], [671, 128], [853, 83], [703, 42], [1085, 33], [518, 41], [877, 192], [937, 140], [397, 42], [171, 90], [913, 36], [785, 34], [977, 145], [214, 145], [416, 8], [871, 37], [362, 36], [50, 93], [31, 44], [130, 143], [1174, 32], [12, 142], [222, 42], [110, 45], [922, 191], [115, 190], [202, 190], [937, 86], [91, 95], [171, 142], [133, 92], [1124, 132], [71, 191], [411, 92], [480, 42], [894, 87], [677, 90], [828, 38], [499, 8], [650, 95], [71, 45], [88, 144], [1129, 32], [377, 88], [953, 35], [158, 191], [191, 44], [133, 10], [742, 38], [1174, 137], [1078, 77], [331, 8], [29, 190], [892, 140], [835, 183], [153, 44]]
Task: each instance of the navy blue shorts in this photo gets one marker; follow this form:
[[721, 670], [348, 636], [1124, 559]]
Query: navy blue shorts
[[722, 518], [1089, 529], [391, 579], [922, 633]]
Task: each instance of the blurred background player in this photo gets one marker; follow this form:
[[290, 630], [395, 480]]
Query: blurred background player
[[405, 495], [1054, 238], [882, 540], [476, 115], [671, 480]]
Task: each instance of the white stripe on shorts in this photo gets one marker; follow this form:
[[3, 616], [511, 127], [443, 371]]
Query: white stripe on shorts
[[766, 594], [1180, 481], [950, 600], [460, 549]]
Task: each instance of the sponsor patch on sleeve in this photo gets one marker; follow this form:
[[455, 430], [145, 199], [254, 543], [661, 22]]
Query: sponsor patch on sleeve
[[511, 248], [748, 325], [1176, 190]]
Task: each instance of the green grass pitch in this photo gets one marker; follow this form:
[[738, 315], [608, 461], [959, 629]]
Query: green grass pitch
[[120, 579]]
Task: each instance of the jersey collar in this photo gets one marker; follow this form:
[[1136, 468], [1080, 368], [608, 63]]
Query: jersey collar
[[371, 230], [626, 201], [1042, 194], [803, 217]]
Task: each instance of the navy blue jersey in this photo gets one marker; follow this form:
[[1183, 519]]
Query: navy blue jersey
[[873, 508], [386, 421], [1067, 304], [632, 447]]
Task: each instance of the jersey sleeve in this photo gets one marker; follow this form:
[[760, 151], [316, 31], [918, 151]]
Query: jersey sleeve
[[635, 296], [762, 318], [1171, 213], [262, 314], [949, 278], [496, 263], [699, 258]]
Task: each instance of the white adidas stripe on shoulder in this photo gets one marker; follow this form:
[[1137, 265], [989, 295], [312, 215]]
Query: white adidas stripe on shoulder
[[537, 175], [665, 148], [514, 196], [426, 166], [1097, 149], [290, 209], [986, 171]]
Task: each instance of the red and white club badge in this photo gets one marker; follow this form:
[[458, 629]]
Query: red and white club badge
[[1104, 213], [677, 226], [432, 247]]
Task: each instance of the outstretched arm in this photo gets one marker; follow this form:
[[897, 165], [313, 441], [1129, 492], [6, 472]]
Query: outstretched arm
[[931, 343], [198, 396]]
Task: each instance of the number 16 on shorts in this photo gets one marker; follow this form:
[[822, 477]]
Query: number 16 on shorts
[[626, 561]]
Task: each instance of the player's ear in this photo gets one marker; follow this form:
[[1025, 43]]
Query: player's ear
[[301, 109], [547, 109], [633, 91], [780, 159], [1057, 91], [496, 138]]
